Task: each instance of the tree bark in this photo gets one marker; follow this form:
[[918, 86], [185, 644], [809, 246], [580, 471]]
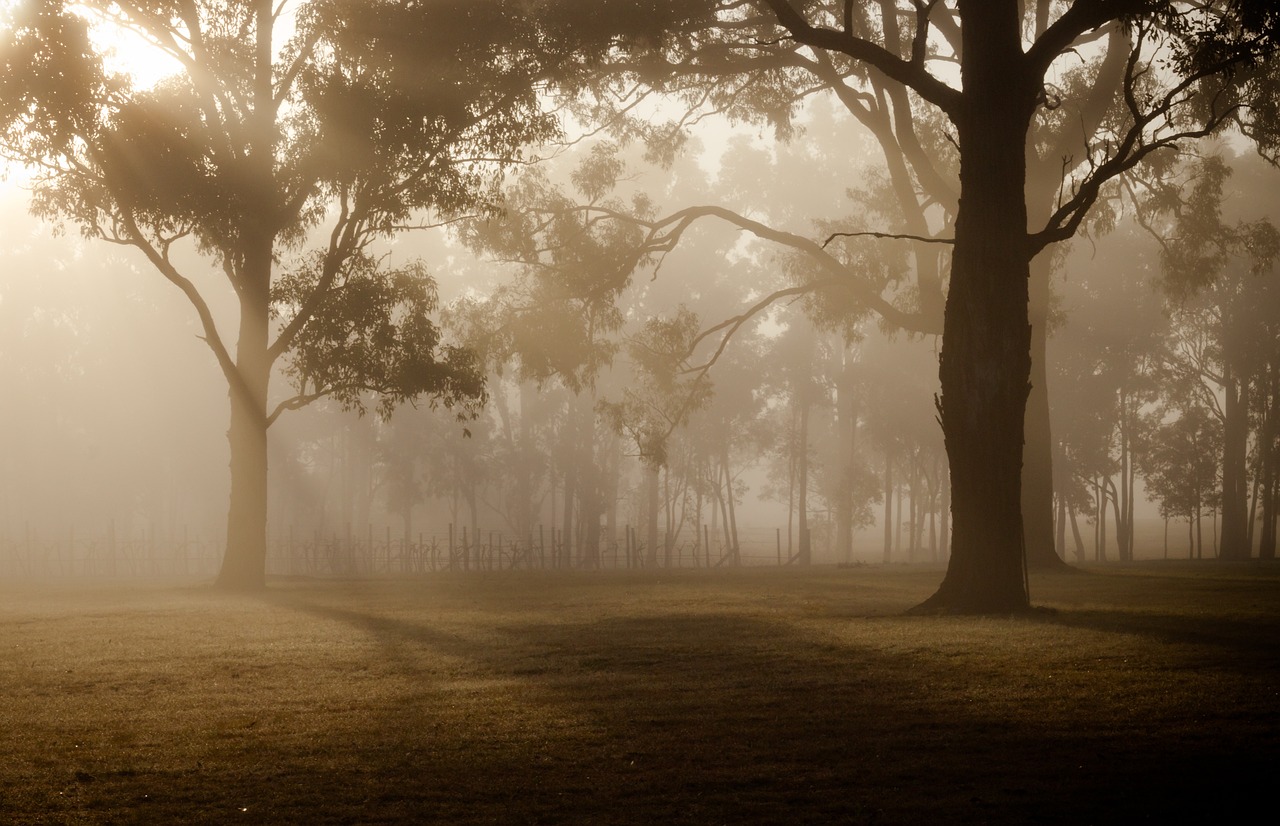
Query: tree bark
[[986, 363], [245, 558]]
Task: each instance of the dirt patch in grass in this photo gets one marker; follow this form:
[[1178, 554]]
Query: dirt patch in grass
[[755, 696]]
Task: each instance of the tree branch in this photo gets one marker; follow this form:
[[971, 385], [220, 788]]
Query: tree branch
[[905, 72]]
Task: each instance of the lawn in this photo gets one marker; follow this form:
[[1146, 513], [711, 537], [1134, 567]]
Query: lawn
[[1149, 692]]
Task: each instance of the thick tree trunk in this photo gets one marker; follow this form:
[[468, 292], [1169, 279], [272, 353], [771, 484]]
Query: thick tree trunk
[[244, 563], [986, 363]]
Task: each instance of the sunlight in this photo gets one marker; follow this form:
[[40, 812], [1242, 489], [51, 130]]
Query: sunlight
[[128, 52], [125, 52]]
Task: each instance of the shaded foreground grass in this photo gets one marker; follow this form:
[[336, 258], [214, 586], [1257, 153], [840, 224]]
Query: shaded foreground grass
[[755, 696]]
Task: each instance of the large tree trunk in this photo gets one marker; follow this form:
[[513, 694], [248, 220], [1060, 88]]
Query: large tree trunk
[[986, 364], [244, 563]]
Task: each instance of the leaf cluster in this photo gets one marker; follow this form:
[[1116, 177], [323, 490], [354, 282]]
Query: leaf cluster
[[373, 333]]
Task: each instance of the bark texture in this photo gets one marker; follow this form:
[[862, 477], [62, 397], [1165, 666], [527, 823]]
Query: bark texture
[[985, 364]]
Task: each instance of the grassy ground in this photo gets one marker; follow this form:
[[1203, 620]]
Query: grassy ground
[[753, 696]]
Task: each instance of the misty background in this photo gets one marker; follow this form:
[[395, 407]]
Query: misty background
[[115, 454]]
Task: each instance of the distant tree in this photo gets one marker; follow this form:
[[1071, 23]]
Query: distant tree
[[660, 400], [1108, 347], [1182, 469], [1220, 275], [897, 386]]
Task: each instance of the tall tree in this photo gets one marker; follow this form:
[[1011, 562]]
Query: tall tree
[[282, 148], [1215, 61]]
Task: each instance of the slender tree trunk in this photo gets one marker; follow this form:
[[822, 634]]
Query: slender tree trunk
[[1114, 497], [1235, 473], [802, 451], [897, 525], [1060, 528], [731, 522], [651, 515], [986, 363], [913, 509], [1037, 468], [1102, 522], [1075, 533], [571, 497], [888, 504], [847, 421], [791, 485]]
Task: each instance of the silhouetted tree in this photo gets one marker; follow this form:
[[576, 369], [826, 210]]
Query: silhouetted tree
[[1216, 73]]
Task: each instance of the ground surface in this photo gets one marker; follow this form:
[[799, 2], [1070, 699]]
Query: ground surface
[[1147, 693]]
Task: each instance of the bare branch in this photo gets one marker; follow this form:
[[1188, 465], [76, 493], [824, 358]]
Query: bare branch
[[889, 235]]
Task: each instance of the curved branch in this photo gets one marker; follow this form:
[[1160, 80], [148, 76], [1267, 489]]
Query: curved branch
[[735, 323], [905, 72], [665, 233], [296, 403], [165, 267]]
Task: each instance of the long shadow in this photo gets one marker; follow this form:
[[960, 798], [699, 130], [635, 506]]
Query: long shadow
[[724, 718], [1235, 644]]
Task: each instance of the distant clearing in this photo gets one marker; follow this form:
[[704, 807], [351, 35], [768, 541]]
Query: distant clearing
[[1149, 692]]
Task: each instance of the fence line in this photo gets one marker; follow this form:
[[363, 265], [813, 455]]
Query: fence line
[[319, 553]]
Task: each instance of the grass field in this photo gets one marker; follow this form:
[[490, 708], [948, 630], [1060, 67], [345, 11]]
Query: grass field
[[1147, 693]]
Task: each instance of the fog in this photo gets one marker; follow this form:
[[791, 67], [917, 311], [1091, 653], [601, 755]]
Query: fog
[[686, 393], [116, 414]]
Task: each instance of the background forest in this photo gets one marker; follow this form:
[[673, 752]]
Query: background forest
[[581, 393], [658, 403]]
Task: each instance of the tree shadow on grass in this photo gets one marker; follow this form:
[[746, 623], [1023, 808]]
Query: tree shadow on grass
[[713, 718], [1246, 645]]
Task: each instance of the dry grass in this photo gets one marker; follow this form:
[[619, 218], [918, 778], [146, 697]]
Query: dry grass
[[758, 696]]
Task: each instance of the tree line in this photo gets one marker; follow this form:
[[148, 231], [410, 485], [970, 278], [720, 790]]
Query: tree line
[[287, 147]]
